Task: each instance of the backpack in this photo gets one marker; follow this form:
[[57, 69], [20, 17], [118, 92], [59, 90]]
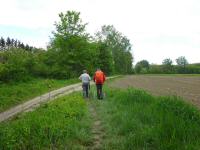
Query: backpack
[[99, 77]]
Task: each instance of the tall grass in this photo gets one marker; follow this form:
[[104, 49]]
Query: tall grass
[[134, 119], [61, 124], [15, 93]]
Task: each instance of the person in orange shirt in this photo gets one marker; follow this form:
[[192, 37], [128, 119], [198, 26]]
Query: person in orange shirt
[[99, 78]]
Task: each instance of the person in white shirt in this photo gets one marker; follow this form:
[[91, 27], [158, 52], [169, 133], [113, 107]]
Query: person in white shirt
[[85, 78]]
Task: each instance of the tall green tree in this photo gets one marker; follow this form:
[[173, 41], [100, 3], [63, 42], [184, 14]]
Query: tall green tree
[[142, 66], [167, 65], [119, 46], [182, 62], [70, 41], [70, 24], [105, 60]]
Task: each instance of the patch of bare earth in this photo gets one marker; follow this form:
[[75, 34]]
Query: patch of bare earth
[[183, 86], [97, 129]]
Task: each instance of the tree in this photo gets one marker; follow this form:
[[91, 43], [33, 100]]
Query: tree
[[8, 43], [22, 46], [142, 66], [167, 65], [167, 61], [138, 68], [119, 47], [15, 43], [70, 24], [12, 42], [105, 59], [27, 47], [2, 43], [182, 62], [70, 42]]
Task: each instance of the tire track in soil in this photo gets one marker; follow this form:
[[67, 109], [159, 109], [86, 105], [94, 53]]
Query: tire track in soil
[[97, 129]]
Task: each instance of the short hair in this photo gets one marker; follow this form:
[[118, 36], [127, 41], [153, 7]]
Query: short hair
[[84, 71]]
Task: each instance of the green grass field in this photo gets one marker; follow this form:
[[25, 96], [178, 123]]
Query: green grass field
[[131, 119], [16, 93]]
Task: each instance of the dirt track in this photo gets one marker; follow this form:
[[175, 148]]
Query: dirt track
[[187, 87], [36, 102]]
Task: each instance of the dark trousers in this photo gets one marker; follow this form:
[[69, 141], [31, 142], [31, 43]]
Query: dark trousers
[[99, 91], [85, 89]]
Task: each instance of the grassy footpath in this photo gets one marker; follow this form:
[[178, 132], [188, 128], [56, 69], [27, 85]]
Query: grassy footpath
[[15, 93], [134, 119], [61, 124]]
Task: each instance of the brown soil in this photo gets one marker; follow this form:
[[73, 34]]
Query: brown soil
[[187, 87]]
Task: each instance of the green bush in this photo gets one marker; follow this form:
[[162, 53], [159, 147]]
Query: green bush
[[16, 65]]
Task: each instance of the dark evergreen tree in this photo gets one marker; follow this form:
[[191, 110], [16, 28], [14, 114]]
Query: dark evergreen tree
[[12, 43], [2, 43], [27, 47], [16, 44], [8, 43]]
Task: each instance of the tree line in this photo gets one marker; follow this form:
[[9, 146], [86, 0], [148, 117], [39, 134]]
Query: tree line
[[70, 50], [167, 67], [8, 43]]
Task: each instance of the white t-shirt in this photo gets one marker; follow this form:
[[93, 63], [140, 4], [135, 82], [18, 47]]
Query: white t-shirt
[[85, 78]]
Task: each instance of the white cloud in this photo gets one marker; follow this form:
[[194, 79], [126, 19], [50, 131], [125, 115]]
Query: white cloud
[[157, 29]]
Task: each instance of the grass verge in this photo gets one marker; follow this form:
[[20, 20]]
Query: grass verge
[[16, 93], [134, 119], [61, 124]]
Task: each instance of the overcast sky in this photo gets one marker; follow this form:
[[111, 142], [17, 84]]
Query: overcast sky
[[157, 29]]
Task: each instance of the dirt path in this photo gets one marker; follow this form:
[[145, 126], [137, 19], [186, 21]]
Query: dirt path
[[187, 87], [36, 102], [97, 129]]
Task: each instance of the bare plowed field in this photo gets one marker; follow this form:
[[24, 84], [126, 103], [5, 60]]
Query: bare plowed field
[[187, 87]]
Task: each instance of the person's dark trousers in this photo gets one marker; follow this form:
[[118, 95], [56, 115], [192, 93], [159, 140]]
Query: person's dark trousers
[[85, 89], [99, 91]]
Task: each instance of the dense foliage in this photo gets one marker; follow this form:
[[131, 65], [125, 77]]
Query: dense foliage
[[70, 50]]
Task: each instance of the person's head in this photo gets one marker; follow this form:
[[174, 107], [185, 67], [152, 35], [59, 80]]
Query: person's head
[[98, 69], [84, 71]]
